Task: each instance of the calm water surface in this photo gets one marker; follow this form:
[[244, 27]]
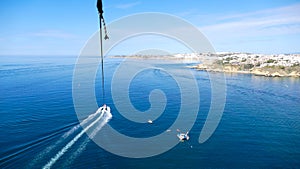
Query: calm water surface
[[260, 127]]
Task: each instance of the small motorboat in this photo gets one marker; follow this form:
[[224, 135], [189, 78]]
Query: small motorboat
[[183, 136], [150, 121]]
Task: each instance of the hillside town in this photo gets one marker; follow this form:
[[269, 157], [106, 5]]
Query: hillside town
[[279, 65]]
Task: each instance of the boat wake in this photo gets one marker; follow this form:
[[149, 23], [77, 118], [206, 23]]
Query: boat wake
[[101, 117], [83, 145]]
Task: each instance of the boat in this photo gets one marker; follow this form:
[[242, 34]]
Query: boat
[[105, 110], [183, 136]]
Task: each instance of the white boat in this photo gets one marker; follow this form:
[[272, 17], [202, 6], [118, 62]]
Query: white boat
[[183, 136], [105, 110]]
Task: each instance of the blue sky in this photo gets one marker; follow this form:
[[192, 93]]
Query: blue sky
[[61, 27]]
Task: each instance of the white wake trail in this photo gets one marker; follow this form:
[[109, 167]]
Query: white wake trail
[[83, 145], [64, 149], [63, 137], [90, 117], [42, 154]]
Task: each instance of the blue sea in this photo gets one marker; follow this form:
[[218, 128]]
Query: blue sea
[[259, 128]]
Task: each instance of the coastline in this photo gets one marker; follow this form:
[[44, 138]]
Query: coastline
[[279, 65], [255, 71]]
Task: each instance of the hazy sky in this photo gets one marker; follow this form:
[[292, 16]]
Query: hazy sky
[[61, 27]]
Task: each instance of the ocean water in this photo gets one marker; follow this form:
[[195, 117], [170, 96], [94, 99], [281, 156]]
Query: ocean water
[[260, 126]]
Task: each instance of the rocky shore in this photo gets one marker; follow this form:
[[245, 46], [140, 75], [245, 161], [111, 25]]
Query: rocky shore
[[280, 65], [268, 72]]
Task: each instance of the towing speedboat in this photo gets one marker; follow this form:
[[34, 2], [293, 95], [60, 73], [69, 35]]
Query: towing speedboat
[[105, 110]]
